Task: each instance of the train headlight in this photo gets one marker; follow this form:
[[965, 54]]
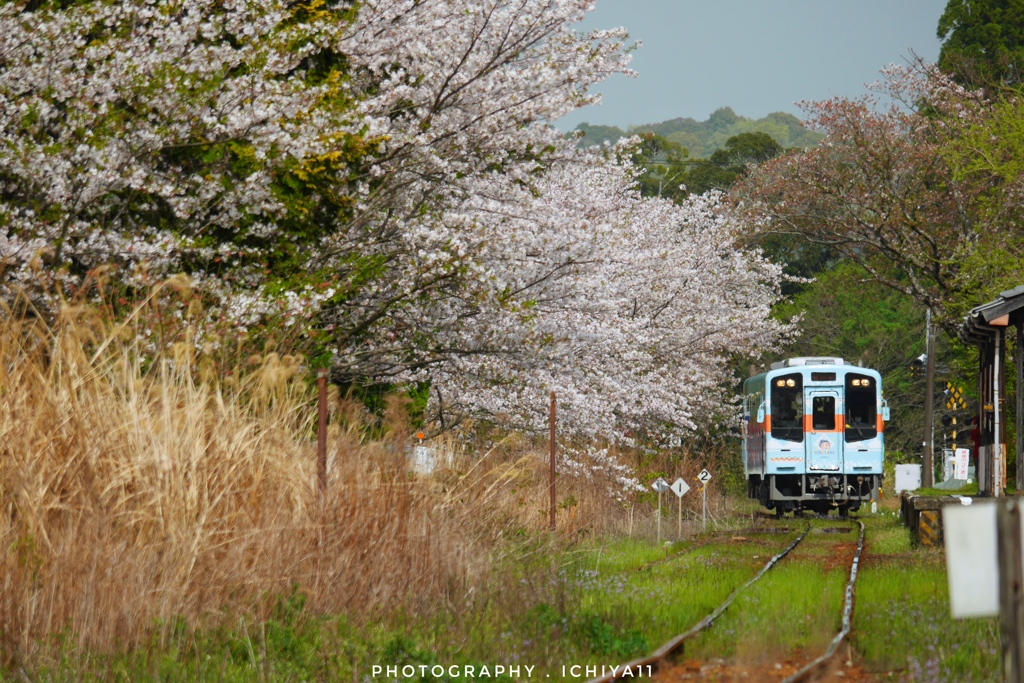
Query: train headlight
[[790, 383], [856, 382], [781, 383]]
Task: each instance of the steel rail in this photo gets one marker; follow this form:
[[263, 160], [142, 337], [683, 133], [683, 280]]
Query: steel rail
[[803, 673], [656, 657]]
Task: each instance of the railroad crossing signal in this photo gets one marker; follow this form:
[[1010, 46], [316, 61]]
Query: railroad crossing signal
[[704, 477], [955, 397], [917, 365]]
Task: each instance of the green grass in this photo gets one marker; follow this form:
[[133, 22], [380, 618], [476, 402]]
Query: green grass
[[671, 596], [966, 490], [604, 602], [902, 619], [612, 555]]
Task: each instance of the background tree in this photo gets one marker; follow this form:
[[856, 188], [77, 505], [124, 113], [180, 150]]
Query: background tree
[[663, 166], [703, 138], [725, 165], [983, 42], [880, 192]]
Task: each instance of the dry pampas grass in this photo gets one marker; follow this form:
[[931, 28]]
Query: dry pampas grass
[[134, 493]]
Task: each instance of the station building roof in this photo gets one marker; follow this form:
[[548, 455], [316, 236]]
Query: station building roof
[[981, 322]]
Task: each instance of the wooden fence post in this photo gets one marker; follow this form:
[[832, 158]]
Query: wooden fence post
[[321, 430], [1011, 589]]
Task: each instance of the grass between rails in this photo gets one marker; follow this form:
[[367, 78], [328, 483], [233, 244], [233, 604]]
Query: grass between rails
[[794, 607]]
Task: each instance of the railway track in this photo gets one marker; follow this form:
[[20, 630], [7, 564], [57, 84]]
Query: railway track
[[805, 673], [654, 660], [809, 669]]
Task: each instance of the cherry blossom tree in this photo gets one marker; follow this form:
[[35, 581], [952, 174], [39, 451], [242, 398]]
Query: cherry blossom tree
[[631, 308], [384, 178]]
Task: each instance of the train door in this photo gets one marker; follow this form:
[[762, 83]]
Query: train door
[[823, 432]]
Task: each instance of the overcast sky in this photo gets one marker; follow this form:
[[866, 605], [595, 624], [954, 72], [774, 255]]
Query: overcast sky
[[756, 56]]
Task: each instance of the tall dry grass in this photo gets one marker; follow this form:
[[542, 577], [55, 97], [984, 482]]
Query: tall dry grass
[[139, 487], [134, 493]]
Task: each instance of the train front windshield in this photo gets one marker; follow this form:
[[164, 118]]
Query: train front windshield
[[788, 407], [861, 398]]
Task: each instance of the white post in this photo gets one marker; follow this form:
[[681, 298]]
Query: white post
[[704, 489], [679, 530], [997, 447], [659, 516]]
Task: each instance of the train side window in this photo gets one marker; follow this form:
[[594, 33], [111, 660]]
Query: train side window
[[787, 399], [861, 400], [823, 413]]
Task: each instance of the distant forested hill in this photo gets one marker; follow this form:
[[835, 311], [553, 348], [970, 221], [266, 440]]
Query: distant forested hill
[[703, 138]]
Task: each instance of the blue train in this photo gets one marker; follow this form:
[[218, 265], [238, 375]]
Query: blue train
[[813, 436]]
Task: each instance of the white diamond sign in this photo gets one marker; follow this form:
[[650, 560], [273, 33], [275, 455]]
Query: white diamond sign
[[679, 487], [660, 485], [704, 476]]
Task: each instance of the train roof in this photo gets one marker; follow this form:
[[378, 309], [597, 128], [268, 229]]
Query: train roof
[[807, 360], [812, 362]]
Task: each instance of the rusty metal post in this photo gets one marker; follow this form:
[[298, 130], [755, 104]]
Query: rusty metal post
[[552, 439], [321, 429]]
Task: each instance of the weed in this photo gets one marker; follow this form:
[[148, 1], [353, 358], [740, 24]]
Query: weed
[[604, 639]]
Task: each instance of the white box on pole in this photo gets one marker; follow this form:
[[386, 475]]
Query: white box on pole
[[908, 478]]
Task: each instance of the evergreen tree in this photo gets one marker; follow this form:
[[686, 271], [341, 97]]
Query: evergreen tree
[[983, 41]]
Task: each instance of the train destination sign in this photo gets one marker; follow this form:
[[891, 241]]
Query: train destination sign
[[680, 487], [704, 476]]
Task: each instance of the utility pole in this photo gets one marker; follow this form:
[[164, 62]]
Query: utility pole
[[552, 438], [928, 475]]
